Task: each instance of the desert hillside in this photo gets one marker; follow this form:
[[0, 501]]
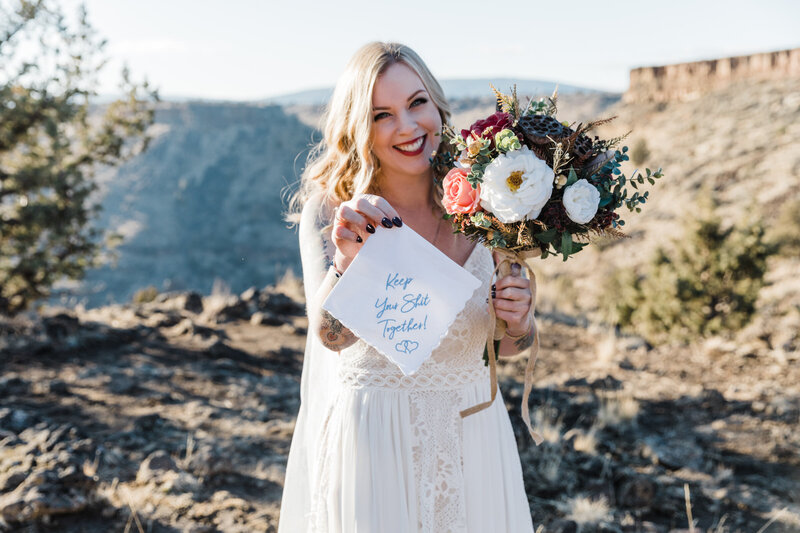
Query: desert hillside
[[739, 144]]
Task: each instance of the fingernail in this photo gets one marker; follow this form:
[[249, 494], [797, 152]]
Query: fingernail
[[370, 228], [386, 222], [397, 221], [494, 286], [494, 294], [359, 239]]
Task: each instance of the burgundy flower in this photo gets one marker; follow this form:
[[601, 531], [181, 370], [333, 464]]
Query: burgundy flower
[[497, 122]]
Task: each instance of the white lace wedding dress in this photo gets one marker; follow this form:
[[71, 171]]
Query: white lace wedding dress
[[391, 452]]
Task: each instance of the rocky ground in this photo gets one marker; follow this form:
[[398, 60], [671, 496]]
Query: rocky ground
[[177, 415]]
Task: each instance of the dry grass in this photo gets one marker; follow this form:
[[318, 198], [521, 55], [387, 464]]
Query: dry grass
[[585, 441], [291, 285], [543, 421], [617, 408], [587, 511]]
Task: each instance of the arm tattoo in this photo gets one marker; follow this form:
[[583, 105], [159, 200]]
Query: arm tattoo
[[524, 342], [326, 249], [333, 334]]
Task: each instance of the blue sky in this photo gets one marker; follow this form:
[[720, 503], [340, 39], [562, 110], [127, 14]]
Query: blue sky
[[249, 49]]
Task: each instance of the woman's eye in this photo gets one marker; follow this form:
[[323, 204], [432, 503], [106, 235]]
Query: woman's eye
[[420, 100], [380, 116]]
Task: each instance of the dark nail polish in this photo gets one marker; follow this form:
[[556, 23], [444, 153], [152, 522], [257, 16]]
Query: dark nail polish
[[494, 294], [359, 239], [494, 286], [397, 221], [370, 228], [386, 222]]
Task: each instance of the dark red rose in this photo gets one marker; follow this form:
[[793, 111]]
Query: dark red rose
[[497, 122]]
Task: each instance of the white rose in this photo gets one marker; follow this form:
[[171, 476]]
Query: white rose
[[516, 185], [581, 200]]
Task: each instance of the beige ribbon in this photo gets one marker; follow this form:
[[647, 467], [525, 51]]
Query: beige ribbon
[[497, 327]]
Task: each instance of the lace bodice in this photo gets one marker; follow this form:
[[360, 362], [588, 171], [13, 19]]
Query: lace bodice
[[456, 361]]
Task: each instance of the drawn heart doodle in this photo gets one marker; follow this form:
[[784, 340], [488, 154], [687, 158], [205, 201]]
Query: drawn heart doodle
[[406, 346]]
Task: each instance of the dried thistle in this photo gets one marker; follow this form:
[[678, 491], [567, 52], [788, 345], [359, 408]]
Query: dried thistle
[[604, 145], [508, 104], [594, 123], [613, 232], [560, 157], [552, 108]]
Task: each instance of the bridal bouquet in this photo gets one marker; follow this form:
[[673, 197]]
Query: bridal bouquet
[[526, 184]]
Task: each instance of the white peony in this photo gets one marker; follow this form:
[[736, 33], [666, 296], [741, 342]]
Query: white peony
[[581, 200], [516, 185]]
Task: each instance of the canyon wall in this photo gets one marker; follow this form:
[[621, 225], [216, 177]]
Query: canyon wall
[[686, 81]]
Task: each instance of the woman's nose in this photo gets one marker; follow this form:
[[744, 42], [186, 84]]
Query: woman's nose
[[407, 123]]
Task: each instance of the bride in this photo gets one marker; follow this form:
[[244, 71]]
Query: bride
[[374, 450]]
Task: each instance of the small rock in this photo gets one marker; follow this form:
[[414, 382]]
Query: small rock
[[576, 382], [122, 384], [12, 385], [713, 399], [162, 320], [563, 526], [636, 492], [633, 343], [235, 310], [266, 318], [15, 420], [206, 461], [607, 383], [61, 326], [279, 304], [250, 294], [148, 423], [154, 466], [53, 386]]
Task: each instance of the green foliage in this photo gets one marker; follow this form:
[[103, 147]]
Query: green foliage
[[506, 141], [614, 192], [708, 285], [147, 294], [786, 232], [480, 220], [640, 152], [50, 147]]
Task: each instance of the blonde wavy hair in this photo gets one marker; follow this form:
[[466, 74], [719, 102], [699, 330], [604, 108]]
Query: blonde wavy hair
[[342, 163]]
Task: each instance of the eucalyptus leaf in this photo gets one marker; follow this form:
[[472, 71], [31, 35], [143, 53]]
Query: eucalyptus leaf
[[566, 244], [546, 236]]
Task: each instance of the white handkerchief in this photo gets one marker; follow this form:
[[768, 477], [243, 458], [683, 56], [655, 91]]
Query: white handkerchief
[[400, 295]]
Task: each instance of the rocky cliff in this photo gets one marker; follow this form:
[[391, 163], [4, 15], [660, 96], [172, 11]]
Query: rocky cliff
[[685, 81]]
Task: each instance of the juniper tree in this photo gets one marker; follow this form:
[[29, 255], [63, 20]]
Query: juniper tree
[[52, 142], [706, 283]]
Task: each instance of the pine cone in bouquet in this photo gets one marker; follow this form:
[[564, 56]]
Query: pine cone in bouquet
[[582, 149], [537, 128], [541, 132]]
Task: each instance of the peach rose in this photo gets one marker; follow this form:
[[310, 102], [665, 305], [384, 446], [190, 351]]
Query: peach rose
[[459, 196]]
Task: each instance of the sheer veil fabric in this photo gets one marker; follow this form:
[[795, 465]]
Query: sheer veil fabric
[[318, 381], [377, 451]]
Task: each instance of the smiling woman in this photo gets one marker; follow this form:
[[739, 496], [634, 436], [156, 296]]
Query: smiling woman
[[375, 449], [409, 129]]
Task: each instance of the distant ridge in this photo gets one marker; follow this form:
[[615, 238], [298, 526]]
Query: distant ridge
[[453, 88]]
